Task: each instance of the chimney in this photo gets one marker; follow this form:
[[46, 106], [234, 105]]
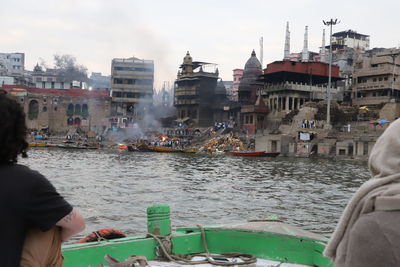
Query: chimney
[[287, 43], [304, 54], [322, 51]]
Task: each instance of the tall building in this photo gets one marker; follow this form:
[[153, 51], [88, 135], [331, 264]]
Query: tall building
[[376, 77], [132, 82], [12, 64], [197, 96]]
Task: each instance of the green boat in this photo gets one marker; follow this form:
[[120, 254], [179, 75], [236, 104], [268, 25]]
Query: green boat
[[254, 243]]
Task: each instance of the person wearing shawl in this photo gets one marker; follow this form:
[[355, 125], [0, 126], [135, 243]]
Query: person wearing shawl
[[368, 232]]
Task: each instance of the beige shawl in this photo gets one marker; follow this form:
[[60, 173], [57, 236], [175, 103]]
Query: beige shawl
[[382, 192]]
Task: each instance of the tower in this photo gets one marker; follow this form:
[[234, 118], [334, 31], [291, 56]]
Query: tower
[[322, 51], [286, 55], [304, 54]]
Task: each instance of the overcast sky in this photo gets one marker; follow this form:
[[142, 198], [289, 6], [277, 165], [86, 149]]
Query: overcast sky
[[219, 31]]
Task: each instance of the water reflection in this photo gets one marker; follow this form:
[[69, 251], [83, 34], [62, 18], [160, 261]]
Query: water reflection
[[113, 189]]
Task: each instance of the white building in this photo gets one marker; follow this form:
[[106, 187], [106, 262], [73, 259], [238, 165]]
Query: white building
[[12, 64], [350, 39]]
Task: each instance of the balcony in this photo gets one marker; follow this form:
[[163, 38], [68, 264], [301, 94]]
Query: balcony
[[297, 87], [380, 70], [370, 100], [186, 102], [132, 100], [179, 92], [376, 86], [132, 88]]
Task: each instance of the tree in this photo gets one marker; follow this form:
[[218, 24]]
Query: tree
[[67, 67]]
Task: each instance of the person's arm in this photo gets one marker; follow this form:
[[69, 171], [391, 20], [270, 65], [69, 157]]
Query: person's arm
[[71, 224]]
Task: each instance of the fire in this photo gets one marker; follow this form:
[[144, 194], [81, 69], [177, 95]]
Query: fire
[[163, 138], [122, 146]]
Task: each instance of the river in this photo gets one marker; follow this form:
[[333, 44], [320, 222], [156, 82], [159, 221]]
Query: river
[[113, 189]]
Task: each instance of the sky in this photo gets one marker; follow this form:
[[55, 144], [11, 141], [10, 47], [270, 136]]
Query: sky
[[218, 31]]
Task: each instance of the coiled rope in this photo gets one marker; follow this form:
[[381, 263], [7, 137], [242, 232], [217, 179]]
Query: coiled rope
[[209, 258]]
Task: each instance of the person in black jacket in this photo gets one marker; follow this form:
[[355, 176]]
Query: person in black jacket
[[35, 219]]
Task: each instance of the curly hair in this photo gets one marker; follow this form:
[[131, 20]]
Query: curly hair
[[12, 130]]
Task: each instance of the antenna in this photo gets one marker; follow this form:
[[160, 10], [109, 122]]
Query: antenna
[[261, 51]]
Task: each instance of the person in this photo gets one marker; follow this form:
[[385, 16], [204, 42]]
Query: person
[[368, 232], [35, 219]]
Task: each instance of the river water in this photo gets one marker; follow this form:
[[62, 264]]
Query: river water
[[113, 189]]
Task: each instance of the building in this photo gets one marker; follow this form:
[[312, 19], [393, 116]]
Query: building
[[99, 81], [237, 77], [12, 70], [56, 79], [229, 89], [248, 86], [376, 77], [288, 84], [197, 96], [12, 64], [132, 82], [60, 110], [350, 39]]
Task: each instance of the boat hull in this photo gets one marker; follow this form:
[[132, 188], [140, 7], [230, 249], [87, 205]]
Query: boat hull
[[266, 240], [255, 153]]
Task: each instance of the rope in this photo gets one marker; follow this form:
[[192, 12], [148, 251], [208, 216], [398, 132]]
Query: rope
[[246, 258]]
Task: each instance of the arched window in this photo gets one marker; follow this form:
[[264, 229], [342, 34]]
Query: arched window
[[44, 109], [70, 110], [78, 109], [70, 121], [85, 110], [33, 110], [77, 121]]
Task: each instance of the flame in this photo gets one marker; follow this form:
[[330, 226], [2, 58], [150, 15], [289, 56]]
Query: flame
[[122, 146], [163, 138]]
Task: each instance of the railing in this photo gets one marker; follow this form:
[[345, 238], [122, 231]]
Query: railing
[[377, 85], [186, 102], [297, 87], [386, 69]]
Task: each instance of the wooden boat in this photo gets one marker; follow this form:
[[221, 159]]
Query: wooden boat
[[190, 150], [164, 149], [41, 145], [76, 147], [255, 153], [258, 243]]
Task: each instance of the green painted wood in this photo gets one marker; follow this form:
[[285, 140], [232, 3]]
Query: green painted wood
[[264, 245]]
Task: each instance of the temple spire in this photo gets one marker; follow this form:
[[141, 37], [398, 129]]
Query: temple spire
[[304, 54], [286, 55]]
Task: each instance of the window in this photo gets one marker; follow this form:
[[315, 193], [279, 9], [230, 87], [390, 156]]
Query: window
[[44, 109], [70, 110], [118, 81], [117, 94], [85, 110], [33, 110], [77, 109]]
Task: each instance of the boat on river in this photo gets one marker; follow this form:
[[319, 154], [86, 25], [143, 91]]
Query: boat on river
[[254, 243], [41, 145], [255, 153], [69, 146], [164, 149]]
